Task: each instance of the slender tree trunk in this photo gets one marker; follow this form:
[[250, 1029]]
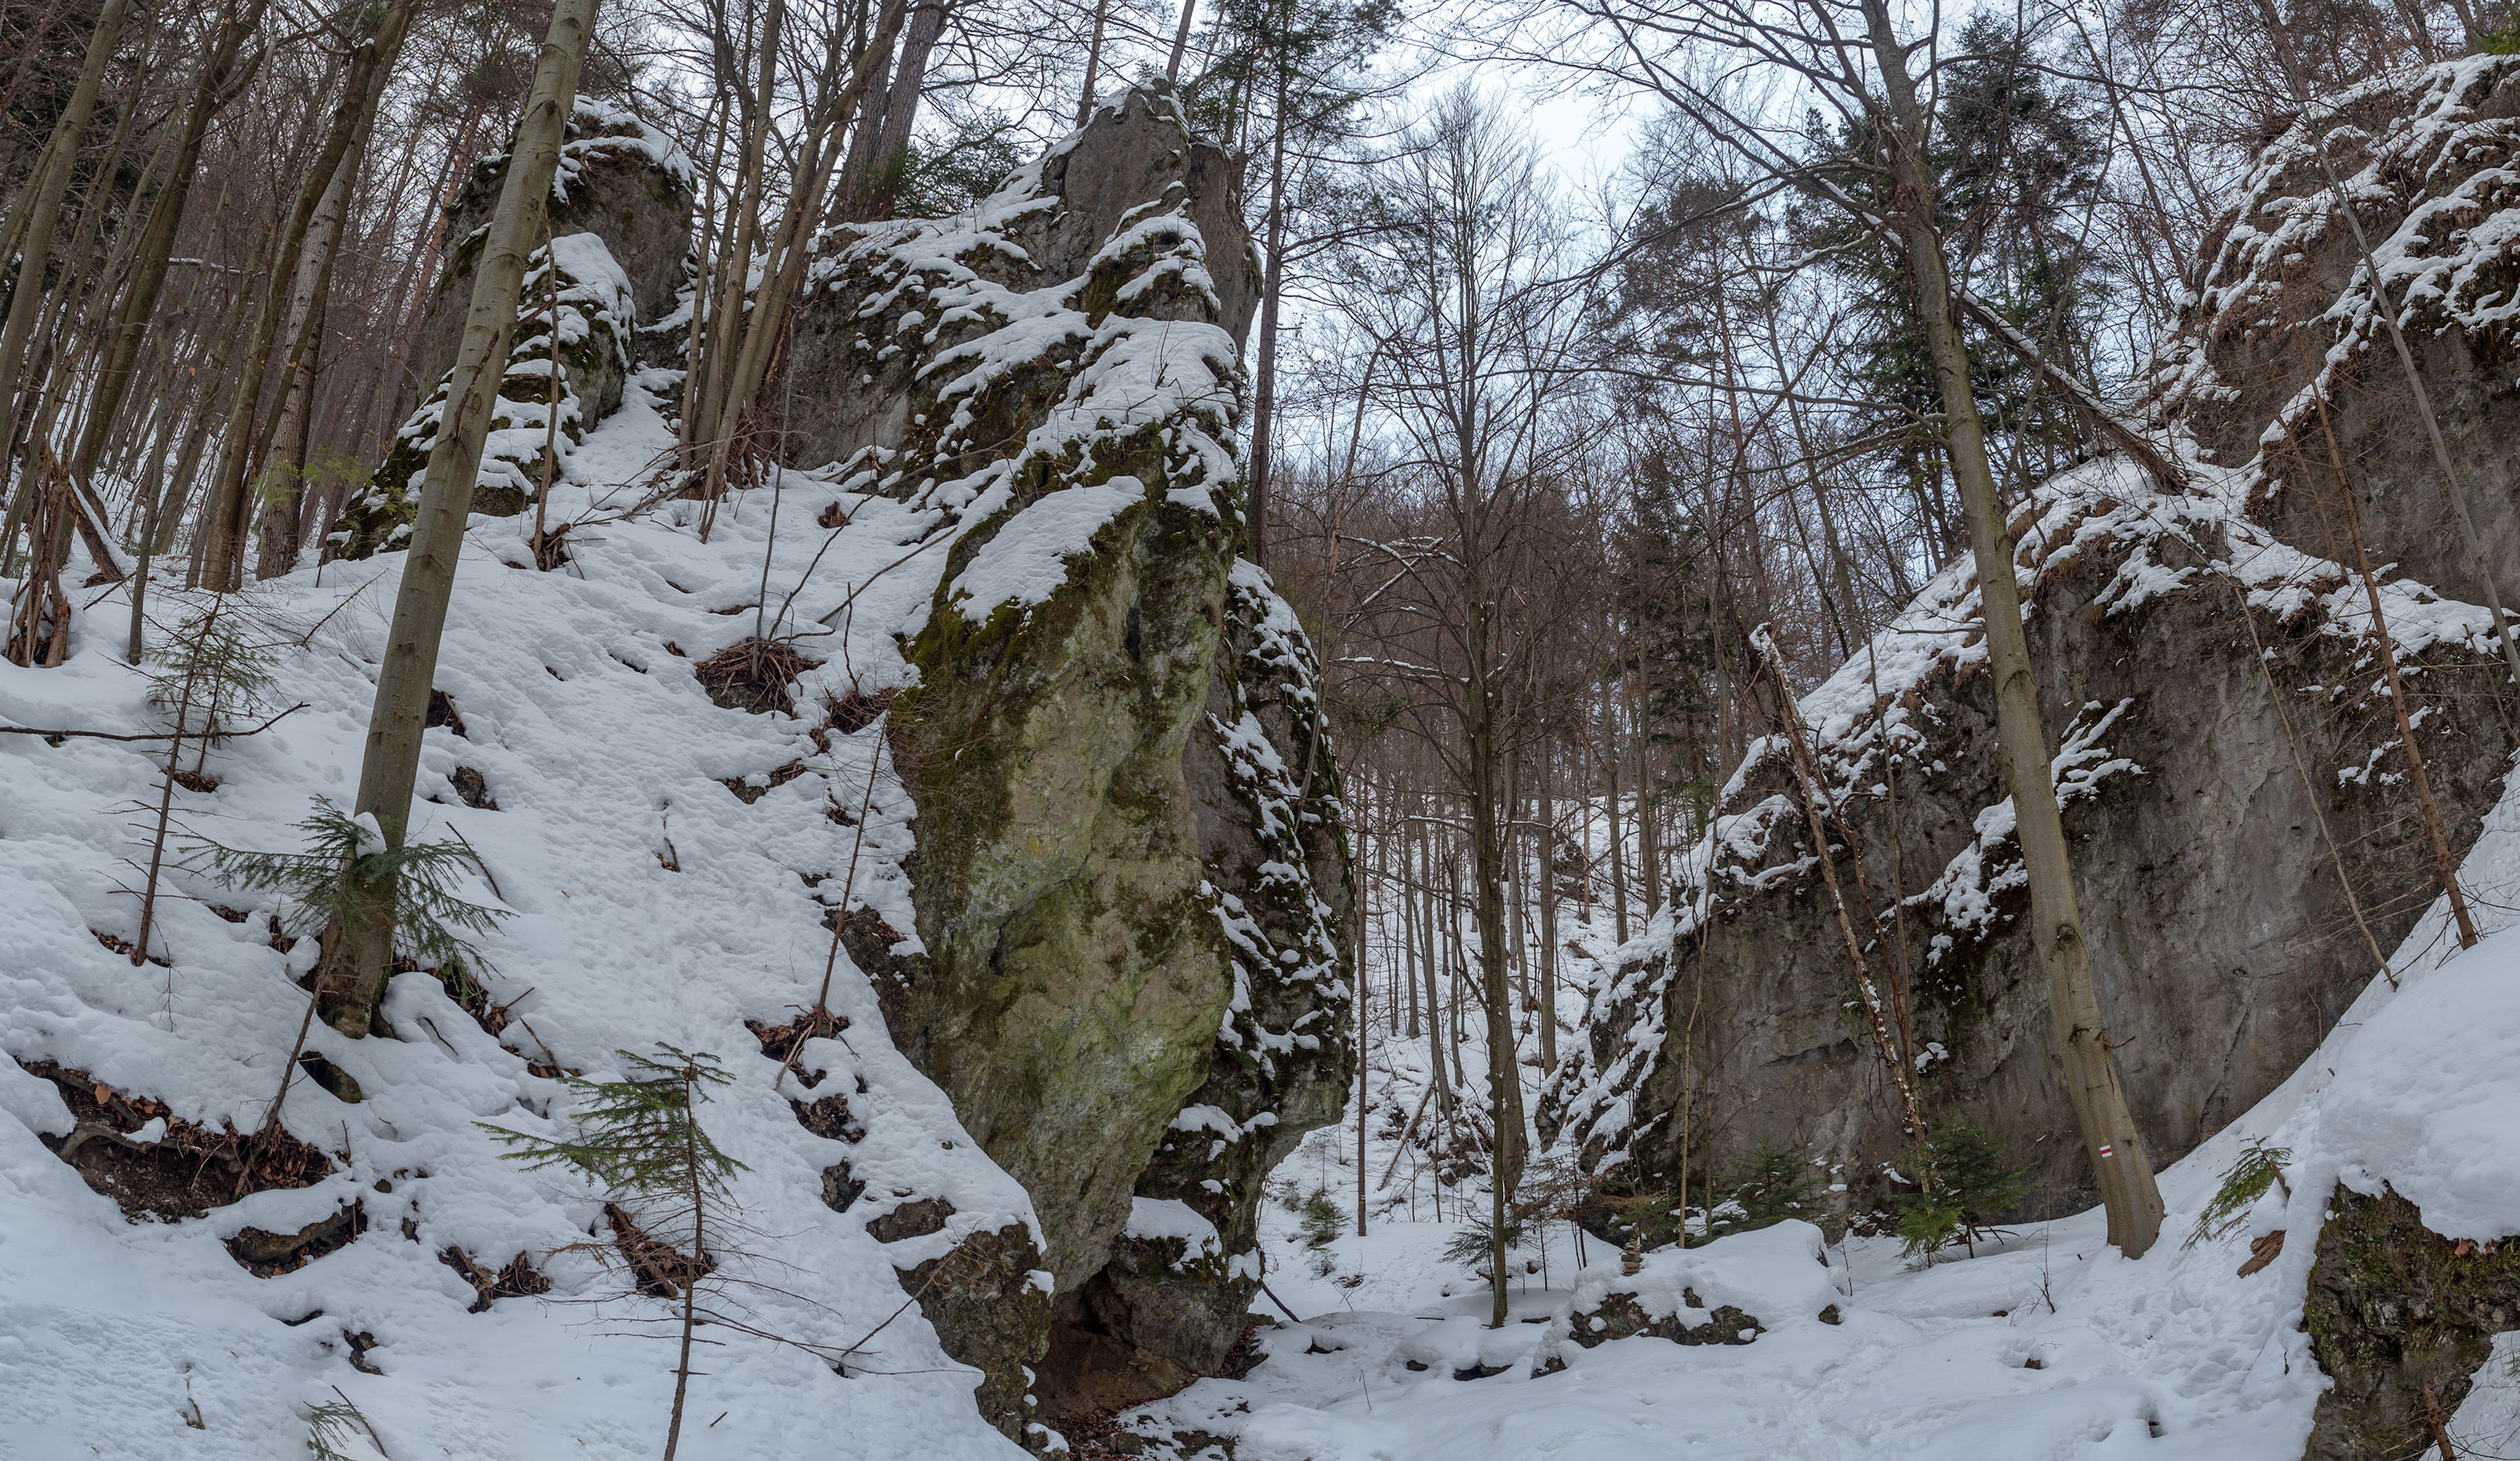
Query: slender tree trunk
[[285, 465], [1648, 836], [690, 1276], [1264, 374], [2443, 863], [1181, 41], [1406, 899], [229, 509], [212, 90], [1444, 1081], [2109, 1135], [1093, 61], [1610, 813], [358, 961], [1547, 915], [1489, 812]]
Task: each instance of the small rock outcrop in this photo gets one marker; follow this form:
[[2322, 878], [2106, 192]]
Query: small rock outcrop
[[620, 227], [618, 180], [2227, 758]]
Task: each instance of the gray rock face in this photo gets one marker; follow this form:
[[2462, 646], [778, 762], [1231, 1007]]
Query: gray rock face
[[618, 181], [2249, 341], [2230, 761], [1133, 165]]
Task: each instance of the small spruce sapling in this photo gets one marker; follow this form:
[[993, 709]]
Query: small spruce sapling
[[639, 1141], [2260, 1167], [1964, 1182], [345, 867], [332, 1425], [211, 673], [1774, 1183], [1475, 1246], [1320, 1222]]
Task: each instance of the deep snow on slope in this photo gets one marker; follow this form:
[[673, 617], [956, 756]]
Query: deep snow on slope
[[2046, 1345], [651, 904]]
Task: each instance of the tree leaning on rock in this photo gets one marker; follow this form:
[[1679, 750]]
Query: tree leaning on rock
[[358, 953], [2109, 1136]]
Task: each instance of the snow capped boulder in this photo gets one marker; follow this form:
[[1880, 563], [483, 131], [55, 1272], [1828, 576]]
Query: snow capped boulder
[[619, 181], [2226, 754]]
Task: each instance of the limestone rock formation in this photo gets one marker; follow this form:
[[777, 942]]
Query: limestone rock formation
[[617, 180], [2227, 758], [1131, 875], [619, 228], [2427, 158]]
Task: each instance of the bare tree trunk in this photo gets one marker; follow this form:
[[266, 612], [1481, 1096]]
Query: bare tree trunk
[[1648, 836], [1547, 914], [2109, 1136], [1489, 812], [1264, 374], [2444, 864], [1181, 41], [885, 121], [1446, 1081], [1093, 61], [1611, 812], [212, 90], [1406, 896], [229, 508], [285, 465], [358, 960]]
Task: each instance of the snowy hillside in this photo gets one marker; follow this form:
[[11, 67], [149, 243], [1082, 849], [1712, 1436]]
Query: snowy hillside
[[666, 862]]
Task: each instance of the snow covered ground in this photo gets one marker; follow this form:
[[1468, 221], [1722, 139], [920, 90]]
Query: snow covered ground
[[2047, 1344], [654, 904]]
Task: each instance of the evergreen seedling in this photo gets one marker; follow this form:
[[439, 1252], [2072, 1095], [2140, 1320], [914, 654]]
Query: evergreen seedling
[[346, 872], [1965, 1182], [333, 1423], [346, 868], [1475, 1246], [1319, 1219], [639, 1141], [1320, 1222], [211, 673], [1774, 1183], [2260, 1167]]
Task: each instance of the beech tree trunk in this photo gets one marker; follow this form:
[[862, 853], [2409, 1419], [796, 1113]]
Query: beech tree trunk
[[357, 959], [2110, 1137], [32, 224], [139, 303], [230, 508]]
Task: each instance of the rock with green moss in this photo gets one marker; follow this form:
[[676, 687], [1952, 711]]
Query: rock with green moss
[[1131, 877], [2400, 1319]]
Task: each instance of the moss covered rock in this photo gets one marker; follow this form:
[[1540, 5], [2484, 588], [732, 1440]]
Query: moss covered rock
[[1131, 873], [2400, 1319]]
